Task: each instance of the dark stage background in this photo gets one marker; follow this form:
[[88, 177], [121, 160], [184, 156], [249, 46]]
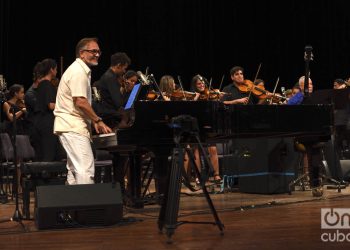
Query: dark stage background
[[182, 37]]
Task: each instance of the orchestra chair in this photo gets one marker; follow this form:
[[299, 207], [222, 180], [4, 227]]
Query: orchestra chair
[[7, 165], [32, 174]]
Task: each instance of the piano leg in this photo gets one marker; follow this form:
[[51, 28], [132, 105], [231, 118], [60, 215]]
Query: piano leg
[[132, 195]]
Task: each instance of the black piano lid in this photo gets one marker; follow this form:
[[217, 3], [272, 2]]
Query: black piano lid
[[338, 97]]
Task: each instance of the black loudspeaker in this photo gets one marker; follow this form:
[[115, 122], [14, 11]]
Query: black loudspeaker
[[62, 206], [265, 165]]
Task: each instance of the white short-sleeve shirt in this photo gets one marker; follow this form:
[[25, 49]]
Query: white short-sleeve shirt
[[75, 82]]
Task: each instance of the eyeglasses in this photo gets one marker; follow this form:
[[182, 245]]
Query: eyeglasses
[[93, 51]]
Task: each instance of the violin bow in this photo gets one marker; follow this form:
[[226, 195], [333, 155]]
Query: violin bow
[[274, 90], [182, 89], [256, 77], [211, 79], [61, 66], [222, 80]]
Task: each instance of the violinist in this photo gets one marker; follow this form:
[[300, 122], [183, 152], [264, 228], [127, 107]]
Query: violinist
[[109, 86], [298, 91], [198, 86], [167, 86], [49, 148], [32, 109], [339, 84], [129, 80], [15, 97], [260, 83], [236, 96]]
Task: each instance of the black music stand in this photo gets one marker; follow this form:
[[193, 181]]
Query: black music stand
[[3, 194], [17, 216], [185, 130]]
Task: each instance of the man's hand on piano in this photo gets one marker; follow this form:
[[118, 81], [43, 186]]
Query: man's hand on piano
[[101, 127]]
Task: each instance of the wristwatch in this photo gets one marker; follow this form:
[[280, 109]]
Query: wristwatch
[[99, 119]]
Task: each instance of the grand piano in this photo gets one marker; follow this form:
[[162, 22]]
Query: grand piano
[[150, 128]]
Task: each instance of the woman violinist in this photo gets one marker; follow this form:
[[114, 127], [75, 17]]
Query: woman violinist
[[127, 83], [167, 86], [15, 104], [198, 86]]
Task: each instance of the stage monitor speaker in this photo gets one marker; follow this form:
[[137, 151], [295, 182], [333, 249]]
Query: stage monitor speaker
[[61, 206], [265, 165]]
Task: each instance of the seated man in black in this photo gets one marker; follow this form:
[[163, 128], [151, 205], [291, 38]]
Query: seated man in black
[[109, 105], [234, 95]]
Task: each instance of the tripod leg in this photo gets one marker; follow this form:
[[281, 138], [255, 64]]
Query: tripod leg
[[206, 194], [170, 208]]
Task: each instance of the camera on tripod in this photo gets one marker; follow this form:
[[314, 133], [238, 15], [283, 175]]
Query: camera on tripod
[[185, 124]]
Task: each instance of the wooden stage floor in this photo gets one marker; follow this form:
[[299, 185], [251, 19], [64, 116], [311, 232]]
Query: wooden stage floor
[[251, 222]]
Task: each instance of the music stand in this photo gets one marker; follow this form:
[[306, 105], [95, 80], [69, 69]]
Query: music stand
[[3, 194], [17, 216]]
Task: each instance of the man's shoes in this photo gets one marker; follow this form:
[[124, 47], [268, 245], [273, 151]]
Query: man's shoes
[[317, 191]]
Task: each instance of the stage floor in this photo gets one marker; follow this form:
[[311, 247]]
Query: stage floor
[[252, 221]]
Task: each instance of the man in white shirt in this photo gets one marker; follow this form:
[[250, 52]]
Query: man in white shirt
[[74, 114]]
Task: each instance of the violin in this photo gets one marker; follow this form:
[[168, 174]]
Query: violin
[[179, 95], [152, 95], [212, 95], [258, 91], [55, 82]]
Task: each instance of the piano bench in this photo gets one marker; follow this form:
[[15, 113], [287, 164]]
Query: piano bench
[[35, 174], [103, 171]]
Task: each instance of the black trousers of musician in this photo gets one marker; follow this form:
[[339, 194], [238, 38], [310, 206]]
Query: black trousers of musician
[[50, 147], [118, 170]]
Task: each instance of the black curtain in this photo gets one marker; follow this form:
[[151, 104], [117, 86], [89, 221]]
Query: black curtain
[[182, 37]]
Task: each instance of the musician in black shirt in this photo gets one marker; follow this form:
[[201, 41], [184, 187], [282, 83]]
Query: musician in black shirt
[[109, 88], [235, 96], [50, 149]]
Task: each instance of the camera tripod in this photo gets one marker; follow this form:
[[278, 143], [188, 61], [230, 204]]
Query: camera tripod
[[168, 214]]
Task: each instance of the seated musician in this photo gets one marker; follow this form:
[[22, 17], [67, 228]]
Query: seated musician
[[298, 91], [167, 86], [129, 80], [198, 86], [312, 144], [15, 103], [235, 95], [109, 86]]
